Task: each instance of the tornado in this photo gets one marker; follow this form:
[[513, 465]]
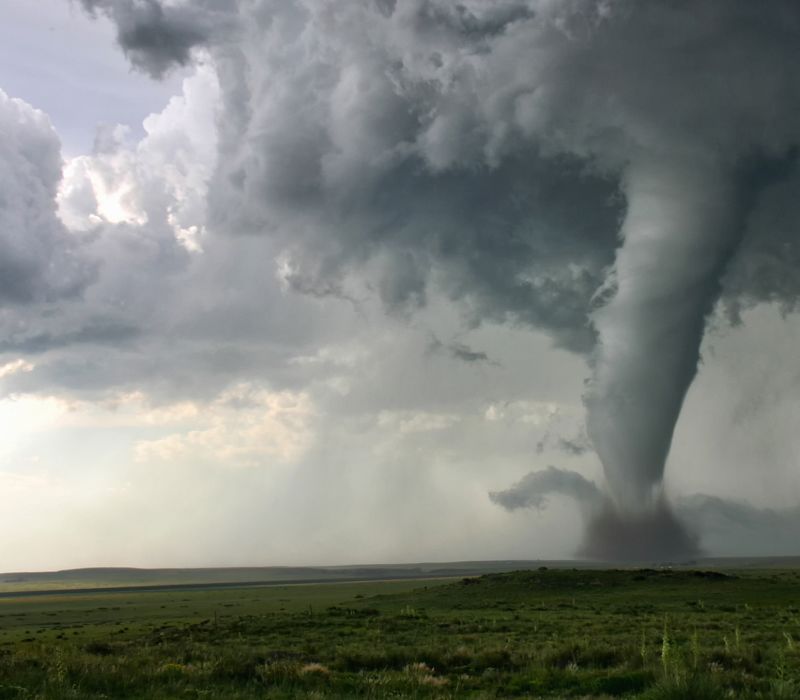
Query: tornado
[[684, 222], [681, 226]]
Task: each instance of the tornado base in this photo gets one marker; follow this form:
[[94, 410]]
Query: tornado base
[[652, 536]]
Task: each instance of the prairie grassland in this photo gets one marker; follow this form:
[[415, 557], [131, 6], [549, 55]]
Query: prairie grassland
[[654, 634]]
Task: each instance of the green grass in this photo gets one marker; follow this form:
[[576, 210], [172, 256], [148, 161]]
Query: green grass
[[550, 633]]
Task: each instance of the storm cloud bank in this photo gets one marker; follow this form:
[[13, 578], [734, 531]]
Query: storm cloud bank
[[596, 169]]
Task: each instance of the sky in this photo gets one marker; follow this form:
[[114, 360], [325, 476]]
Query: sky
[[306, 282]]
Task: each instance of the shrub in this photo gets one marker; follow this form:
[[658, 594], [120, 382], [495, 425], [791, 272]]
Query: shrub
[[98, 648], [685, 687]]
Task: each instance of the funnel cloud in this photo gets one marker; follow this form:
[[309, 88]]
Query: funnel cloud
[[679, 228]]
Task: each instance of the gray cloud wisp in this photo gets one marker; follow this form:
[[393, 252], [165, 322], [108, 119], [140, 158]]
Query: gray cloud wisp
[[534, 488]]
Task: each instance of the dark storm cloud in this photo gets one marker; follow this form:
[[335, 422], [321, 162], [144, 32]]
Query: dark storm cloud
[[156, 36], [418, 130], [345, 157], [580, 167], [108, 332], [414, 127]]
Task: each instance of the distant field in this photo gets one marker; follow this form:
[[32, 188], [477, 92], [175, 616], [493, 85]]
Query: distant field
[[130, 577], [654, 634]]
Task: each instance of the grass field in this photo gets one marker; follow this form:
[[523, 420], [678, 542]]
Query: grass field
[[654, 634]]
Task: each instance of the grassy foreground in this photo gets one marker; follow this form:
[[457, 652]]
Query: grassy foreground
[[544, 633]]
